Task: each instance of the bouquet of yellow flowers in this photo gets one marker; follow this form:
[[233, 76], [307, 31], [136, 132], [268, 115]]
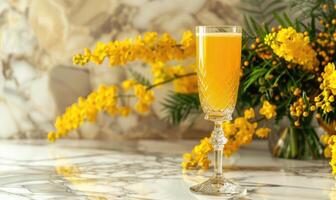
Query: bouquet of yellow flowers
[[288, 72]]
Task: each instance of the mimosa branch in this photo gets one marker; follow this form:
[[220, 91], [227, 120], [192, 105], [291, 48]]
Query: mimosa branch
[[158, 84], [170, 80]]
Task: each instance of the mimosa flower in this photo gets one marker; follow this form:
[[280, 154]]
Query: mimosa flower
[[104, 99], [124, 111], [85, 109], [325, 100], [145, 98], [249, 113], [127, 84], [150, 49], [198, 158], [239, 132], [293, 47], [268, 110], [324, 138], [141, 107], [327, 152], [329, 78], [332, 149], [186, 85], [263, 132], [300, 108]]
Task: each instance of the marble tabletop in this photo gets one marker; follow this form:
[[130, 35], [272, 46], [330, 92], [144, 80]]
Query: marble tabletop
[[147, 170]]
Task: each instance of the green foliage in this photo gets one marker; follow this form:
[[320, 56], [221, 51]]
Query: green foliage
[[328, 117], [254, 29], [254, 76], [179, 106], [256, 84], [283, 20], [264, 80], [140, 78], [258, 14]]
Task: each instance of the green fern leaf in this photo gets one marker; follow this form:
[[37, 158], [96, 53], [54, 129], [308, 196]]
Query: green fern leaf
[[139, 77], [179, 106]]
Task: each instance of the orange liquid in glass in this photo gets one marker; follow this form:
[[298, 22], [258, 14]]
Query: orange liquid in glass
[[218, 61]]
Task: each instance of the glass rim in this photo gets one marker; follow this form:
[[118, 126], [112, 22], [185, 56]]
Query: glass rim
[[219, 26]]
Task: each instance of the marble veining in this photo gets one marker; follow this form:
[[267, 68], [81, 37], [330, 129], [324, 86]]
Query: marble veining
[[148, 170]]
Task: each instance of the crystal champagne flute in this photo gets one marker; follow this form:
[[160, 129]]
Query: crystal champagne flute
[[218, 69]]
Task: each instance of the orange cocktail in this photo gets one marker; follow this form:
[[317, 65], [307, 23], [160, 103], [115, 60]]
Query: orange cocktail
[[219, 69]]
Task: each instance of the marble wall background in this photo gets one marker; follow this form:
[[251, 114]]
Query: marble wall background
[[39, 37]]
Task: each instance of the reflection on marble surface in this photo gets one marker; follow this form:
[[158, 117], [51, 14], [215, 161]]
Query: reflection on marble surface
[[147, 170]]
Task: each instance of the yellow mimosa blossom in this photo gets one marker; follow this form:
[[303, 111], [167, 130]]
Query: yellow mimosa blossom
[[300, 109], [239, 132], [188, 43], [329, 78], [82, 59], [159, 72], [268, 110], [184, 77], [124, 111], [145, 98], [269, 38], [127, 84], [325, 100], [249, 113], [332, 149], [324, 138], [104, 99], [327, 152], [149, 49], [199, 156], [186, 85], [188, 82], [141, 107], [263, 132], [293, 47]]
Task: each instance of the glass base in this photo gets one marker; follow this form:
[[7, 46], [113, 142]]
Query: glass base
[[219, 186]]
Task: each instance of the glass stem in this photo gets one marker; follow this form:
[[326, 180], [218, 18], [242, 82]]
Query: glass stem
[[218, 140], [218, 157]]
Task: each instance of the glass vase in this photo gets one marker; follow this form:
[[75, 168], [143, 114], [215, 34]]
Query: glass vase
[[292, 142]]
